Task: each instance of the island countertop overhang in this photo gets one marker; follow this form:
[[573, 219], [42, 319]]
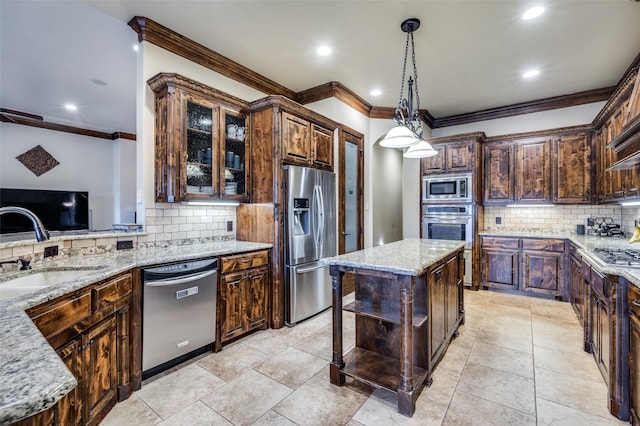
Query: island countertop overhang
[[411, 256]]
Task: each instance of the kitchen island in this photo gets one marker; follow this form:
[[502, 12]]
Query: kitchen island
[[408, 306]]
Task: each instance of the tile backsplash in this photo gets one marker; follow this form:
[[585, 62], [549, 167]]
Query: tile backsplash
[[560, 218]]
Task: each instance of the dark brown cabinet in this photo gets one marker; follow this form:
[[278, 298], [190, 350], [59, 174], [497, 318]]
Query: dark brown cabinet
[[533, 172], [242, 295], [90, 329], [600, 323], [578, 294], [306, 143], [500, 262], [531, 265], [499, 165], [201, 141], [452, 158], [633, 303], [572, 174]]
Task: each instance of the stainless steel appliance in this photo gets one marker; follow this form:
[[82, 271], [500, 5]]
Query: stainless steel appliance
[[451, 222], [179, 312], [310, 235], [445, 189], [619, 257]]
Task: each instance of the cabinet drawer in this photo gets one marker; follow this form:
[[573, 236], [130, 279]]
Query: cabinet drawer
[[599, 284], [111, 291], [244, 261], [633, 299], [494, 242], [543, 245], [56, 317]]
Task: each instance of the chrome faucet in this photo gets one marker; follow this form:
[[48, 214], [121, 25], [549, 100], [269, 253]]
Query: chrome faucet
[[41, 233]]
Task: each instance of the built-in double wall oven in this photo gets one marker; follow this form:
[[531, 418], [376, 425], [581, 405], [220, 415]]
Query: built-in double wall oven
[[450, 222]]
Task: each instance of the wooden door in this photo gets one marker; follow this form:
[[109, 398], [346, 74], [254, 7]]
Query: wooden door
[[100, 374], [350, 197], [436, 163], [460, 157], [452, 282], [576, 287], [500, 268], [603, 334], [322, 147], [634, 359], [542, 272], [533, 172], [70, 406], [255, 297], [499, 174], [437, 307], [573, 171], [231, 303], [296, 143]]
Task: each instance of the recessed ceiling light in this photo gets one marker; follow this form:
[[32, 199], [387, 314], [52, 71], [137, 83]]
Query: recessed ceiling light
[[323, 50], [99, 82], [71, 107], [532, 13], [375, 92], [135, 47], [530, 73]]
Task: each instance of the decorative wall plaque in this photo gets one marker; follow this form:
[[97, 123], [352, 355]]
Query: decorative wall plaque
[[37, 160]]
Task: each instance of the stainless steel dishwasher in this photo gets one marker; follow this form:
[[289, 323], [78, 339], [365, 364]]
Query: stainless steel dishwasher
[[179, 312]]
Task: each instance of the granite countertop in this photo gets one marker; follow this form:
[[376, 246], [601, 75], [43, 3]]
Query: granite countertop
[[411, 256], [32, 376]]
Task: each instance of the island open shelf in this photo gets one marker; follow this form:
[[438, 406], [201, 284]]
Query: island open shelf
[[408, 306]]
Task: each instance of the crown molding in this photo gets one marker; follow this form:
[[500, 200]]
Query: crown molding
[[539, 105], [24, 121], [152, 32], [338, 91]]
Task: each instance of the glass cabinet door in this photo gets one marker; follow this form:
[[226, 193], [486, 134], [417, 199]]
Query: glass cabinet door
[[234, 155], [201, 167]]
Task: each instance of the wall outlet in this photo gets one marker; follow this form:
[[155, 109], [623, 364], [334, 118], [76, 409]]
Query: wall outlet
[[124, 245], [498, 220], [51, 251], [590, 222], [229, 225]]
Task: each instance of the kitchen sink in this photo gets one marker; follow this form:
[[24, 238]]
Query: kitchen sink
[[38, 279]]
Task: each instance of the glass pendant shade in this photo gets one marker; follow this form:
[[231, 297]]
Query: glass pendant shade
[[420, 150], [399, 137]]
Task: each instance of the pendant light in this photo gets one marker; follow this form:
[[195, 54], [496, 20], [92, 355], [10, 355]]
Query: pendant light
[[408, 130]]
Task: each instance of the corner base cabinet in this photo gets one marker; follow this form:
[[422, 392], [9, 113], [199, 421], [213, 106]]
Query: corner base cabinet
[[404, 322], [91, 330]]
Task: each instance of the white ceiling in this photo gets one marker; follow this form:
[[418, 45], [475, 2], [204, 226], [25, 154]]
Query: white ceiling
[[470, 53]]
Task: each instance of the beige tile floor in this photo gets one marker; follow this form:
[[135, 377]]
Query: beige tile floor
[[517, 361]]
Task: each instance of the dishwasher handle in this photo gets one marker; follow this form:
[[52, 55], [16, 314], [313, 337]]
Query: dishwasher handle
[[183, 280]]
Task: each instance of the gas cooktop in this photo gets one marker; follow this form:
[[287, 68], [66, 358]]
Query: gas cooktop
[[619, 257]]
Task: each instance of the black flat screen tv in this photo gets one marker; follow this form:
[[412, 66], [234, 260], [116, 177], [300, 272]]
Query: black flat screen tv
[[58, 210]]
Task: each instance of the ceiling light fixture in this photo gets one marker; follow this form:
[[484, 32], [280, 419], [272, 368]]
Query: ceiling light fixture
[[71, 107], [323, 51], [531, 73], [533, 13], [135, 47], [375, 92], [408, 130]]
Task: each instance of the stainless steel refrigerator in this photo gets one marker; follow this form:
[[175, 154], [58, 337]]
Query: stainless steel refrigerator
[[310, 235]]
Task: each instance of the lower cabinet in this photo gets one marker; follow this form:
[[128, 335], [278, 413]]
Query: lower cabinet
[[90, 331], [242, 295], [445, 287], [633, 303], [531, 265], [600, 323]]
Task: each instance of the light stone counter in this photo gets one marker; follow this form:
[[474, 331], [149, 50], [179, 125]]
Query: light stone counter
[[411, 256], [32, 376]]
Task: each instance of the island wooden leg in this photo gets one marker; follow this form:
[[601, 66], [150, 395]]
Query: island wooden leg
[[337, 363], [406, 394]]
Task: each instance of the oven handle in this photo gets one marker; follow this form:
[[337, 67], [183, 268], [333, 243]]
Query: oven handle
[[448, 218], [190, 278]]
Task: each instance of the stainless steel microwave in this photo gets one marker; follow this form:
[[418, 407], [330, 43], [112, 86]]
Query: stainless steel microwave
[[447, 188]]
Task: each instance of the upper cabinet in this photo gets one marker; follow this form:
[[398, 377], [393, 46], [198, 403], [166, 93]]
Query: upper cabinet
[[539, 168], [453, 157], [201, 143], [572, 176], [285, 132]]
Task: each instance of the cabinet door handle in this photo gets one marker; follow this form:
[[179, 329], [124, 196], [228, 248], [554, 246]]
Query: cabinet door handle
[[246, 260], [634, 302]]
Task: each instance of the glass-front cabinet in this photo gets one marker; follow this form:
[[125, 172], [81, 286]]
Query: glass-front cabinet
[[201, 143]]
